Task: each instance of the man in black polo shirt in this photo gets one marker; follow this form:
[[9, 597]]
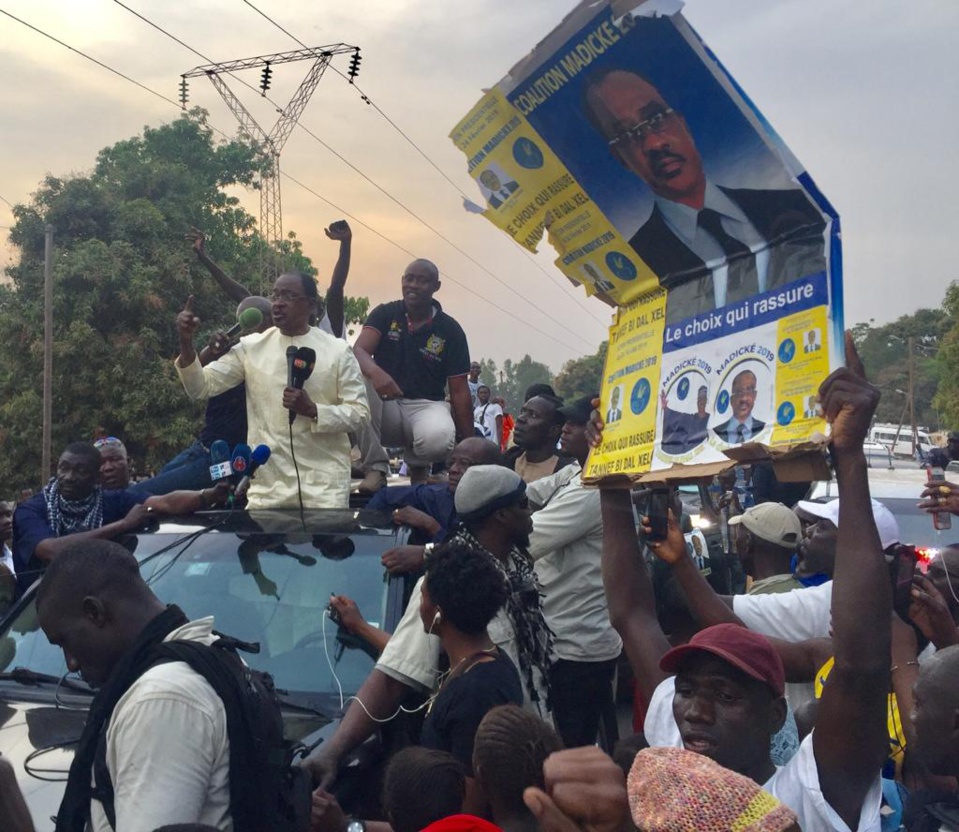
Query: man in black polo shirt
[[409, 350]]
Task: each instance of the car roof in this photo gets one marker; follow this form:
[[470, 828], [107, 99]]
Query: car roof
[[884, 484], [280, 521]]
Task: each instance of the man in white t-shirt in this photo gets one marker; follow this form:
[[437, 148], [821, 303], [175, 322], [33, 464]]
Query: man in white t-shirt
[[566, 545], [473, 380], [488, 416], [726, 700]]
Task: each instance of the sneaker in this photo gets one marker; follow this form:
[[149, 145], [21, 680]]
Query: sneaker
[[372, 482]]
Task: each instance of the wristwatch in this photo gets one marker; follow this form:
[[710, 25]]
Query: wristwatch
[[355, 825], [428, 550]]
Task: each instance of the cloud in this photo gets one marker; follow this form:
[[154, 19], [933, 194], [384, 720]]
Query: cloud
[[861, 93]]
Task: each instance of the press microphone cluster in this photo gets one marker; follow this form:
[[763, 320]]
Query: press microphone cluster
[[238, 467]]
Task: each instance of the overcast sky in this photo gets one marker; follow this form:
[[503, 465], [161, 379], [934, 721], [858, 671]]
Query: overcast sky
[[864, 92]]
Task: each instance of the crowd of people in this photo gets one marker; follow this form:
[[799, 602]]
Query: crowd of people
[[778, 683]]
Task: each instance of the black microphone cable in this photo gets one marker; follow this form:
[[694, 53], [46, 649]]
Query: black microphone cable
[[299, 489]]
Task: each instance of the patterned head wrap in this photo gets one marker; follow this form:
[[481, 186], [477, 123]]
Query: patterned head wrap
[[675, 790]]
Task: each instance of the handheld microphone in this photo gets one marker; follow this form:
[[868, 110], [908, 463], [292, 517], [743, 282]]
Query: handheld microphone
[[260, 454], [249, 318], [220, 461], [290, 355], [302, 368], [240, 461]]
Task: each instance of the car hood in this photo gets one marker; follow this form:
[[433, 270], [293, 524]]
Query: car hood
[[38, 736]]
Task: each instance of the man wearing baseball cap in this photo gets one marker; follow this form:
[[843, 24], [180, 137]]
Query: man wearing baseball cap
[[792, 616], [766, 538], [726, 698]]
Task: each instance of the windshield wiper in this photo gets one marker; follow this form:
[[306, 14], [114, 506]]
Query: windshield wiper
[[288, 704], [25, 676]]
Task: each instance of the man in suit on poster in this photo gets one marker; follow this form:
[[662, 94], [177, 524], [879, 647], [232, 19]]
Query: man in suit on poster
[[742, 427], [709, 245]]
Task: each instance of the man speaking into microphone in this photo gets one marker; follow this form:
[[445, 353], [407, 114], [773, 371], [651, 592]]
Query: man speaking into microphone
[[302, 416]]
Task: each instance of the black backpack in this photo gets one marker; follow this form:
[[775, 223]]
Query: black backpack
[[267, 792]]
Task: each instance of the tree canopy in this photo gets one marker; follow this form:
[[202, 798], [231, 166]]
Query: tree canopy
[[582, 376], [885, 354], [122, 270]]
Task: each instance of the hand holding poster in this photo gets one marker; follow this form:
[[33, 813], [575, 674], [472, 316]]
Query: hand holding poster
[[663, 188]]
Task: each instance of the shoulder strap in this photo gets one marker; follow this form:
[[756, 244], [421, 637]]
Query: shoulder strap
[[102, 790], [224, 671]]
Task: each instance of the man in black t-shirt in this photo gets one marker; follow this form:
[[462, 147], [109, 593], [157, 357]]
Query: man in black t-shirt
[[409, 351]]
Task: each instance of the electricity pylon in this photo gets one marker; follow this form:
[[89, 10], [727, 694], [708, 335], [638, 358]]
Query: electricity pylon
[[272, 142]]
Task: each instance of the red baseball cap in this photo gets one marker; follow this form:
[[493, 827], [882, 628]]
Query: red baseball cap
[[750, 652]]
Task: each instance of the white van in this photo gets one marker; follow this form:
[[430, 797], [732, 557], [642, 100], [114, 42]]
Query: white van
[[900, 445]]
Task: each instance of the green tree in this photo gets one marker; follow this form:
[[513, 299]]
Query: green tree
[[946, 397], [355, 312], [885, 354], [582, 376], [511, 380], [122, 271]]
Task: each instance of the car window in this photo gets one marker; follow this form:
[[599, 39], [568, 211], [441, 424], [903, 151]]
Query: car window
[[269, 589], [915, 526]]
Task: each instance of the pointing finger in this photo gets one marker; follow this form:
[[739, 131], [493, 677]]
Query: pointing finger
[[853, 361]]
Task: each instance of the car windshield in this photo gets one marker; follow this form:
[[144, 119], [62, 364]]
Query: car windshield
[[915, 525], [267, 588]]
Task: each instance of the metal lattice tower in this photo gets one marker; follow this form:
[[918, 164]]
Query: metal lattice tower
[[272, 142]]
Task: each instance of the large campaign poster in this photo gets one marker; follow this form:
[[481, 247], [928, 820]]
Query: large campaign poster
[[676, 199]]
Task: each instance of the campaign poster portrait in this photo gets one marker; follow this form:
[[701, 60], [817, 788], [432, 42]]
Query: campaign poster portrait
[[696, 219]]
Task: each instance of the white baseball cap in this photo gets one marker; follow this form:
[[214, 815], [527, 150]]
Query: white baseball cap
[[886, 522], [772, 522]]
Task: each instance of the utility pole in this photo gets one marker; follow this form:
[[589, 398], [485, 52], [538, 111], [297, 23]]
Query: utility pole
[[271, 142], [47, 353], [912, 394]]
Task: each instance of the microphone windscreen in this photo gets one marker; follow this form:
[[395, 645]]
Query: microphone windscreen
[[250, 318], [261, 453], [219, 452]]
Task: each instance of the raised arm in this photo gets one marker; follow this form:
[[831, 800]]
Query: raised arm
[[629, 592], [706, 606], [234, 291], [850, 737], [339, 230]]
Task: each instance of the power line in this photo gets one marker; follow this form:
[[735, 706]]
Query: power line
[[89, 58], [4, 199], [365, 225], [562, 283], [359, 172], [411, 254]]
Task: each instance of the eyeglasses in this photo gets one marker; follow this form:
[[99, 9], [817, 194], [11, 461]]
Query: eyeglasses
[[656, 123], [106, 440], [285, 297], [744, 391]]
